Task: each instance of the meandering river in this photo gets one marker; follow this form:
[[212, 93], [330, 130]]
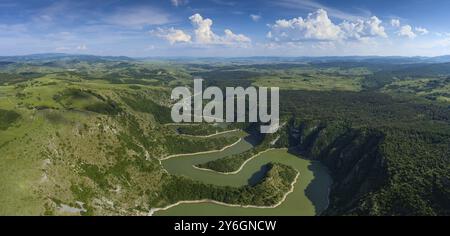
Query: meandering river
[[310, 195]]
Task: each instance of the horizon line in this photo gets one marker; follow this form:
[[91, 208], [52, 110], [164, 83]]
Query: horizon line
[[259, 56]]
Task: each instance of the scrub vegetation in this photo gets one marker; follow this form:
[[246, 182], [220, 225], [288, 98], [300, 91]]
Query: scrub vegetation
[[84, 135]]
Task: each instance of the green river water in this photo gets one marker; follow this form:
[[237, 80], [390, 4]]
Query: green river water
[[310, 195]]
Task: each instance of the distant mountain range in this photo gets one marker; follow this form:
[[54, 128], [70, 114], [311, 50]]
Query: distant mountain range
[[259, 59], [62, 56]]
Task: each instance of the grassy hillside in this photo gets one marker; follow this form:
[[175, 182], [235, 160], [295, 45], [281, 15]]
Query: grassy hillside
[[86, 147], [85, 135]]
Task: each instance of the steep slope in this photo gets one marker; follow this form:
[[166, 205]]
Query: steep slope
[[378, 171]]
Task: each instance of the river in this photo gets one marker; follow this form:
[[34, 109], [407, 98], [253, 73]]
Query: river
[[310, 195]]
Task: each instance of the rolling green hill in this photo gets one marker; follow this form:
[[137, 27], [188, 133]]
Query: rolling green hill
[[84, 135]]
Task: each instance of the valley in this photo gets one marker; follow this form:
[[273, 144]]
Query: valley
[[309, 195], [94, 136]]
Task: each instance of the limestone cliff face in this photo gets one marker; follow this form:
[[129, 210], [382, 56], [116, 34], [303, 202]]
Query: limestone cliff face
[[352, 156]]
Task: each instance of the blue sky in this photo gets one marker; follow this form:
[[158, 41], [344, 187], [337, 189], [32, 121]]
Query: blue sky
[[226, 28]]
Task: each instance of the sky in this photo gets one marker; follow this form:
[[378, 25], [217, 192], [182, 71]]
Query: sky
[[226, 28]]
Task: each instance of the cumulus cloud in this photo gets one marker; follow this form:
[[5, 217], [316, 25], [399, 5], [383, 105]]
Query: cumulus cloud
[[395, 23], [407, 31], [230, 38], [203, 33], [318, 26], [421, 31], [255, 17], [375, 28], [172, 35], [353, 29]]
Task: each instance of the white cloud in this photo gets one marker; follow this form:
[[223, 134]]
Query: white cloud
[[407, 31], [353, 30], [230, 38], [375, 27], [395, 23], [421, 30], [172, 35], [138, 17], [318, 27], [177, 3], [203, 33], [255, 17]]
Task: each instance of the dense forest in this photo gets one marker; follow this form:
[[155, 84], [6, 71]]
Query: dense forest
[[388, 156], [91, 133]]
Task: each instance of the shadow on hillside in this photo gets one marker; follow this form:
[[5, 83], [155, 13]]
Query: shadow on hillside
[[318, 189], [259, 175]]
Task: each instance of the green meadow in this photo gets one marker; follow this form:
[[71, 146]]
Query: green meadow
[[92, 137]]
